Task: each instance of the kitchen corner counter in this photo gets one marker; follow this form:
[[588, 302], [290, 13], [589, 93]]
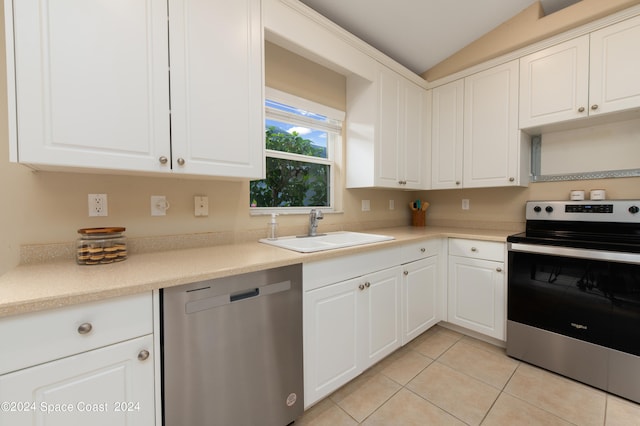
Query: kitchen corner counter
[[29, 288]]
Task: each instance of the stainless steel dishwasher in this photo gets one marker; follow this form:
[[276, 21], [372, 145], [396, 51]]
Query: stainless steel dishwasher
[[232, 350]]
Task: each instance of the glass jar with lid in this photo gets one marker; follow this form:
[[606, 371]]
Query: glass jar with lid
[[101, 245]]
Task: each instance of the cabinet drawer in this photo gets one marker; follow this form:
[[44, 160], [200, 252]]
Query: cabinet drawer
[[38, 337], [420, 250], [488, 250]]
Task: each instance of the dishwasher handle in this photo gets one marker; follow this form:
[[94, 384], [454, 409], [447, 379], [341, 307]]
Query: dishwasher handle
[[225, 299], [244, 295]]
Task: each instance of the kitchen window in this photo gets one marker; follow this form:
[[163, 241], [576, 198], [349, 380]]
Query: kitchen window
[[303, 141]]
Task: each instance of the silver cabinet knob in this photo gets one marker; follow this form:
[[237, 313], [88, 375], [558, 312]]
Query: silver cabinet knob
[[473, 249], [367, 284], [594, 107], [180, 161], [498, 269], [512, 179], [422, 249], [581, 109], [457, 182], [143, 355], [163, 160], [406, 272], [361, 286], [85, 328]]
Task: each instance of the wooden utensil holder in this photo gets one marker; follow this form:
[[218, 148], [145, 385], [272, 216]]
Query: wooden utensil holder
[[418, 218]]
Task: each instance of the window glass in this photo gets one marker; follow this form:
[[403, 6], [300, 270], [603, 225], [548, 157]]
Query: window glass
[[299, 156]]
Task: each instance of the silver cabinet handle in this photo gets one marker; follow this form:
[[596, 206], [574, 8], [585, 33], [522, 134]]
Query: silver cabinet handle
[[406, 272], [361, 286], [85, 328], [367, 284], [473, 249], [594, 107], [163, 160], [143, 355], [180, 161], [498, 269], [457, 182], [511, 179], [581, 109], [422, 249]]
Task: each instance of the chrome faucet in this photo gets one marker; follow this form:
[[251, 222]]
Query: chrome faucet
[[314, 217]]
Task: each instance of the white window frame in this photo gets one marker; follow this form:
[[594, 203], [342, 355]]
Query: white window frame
[[334, 145]]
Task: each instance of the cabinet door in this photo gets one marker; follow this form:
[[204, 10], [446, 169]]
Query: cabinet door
[[388, 138], [491, 154], [476, 295], [420, 297], [217, 118], [414, 128], [446, 135], [91, 88], [331, 338], [554, 83], [380, 319], [615, 67], [108, 386]]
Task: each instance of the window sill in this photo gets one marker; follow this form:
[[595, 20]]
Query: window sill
[[282, 211]]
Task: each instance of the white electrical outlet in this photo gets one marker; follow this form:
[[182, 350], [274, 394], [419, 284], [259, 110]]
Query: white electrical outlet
[[201, 206], [366, 205], [465, 204], [98, 205], [392, 205]]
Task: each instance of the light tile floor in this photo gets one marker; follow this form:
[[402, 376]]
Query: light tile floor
[[445, 378]]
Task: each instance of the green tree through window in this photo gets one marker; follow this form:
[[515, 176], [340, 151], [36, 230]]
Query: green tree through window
[[291, 183]]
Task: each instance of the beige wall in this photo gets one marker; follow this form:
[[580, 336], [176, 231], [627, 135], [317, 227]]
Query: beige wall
[[523, 29], [48, 207], [503, 208]]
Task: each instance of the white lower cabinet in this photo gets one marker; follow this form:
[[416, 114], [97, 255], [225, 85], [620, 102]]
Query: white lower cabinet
[[423, 288], [90, 364], [107, 386], [360, 308], [476, 286], [349, 326], [420, 295]]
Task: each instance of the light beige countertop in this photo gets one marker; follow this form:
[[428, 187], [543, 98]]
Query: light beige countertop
[[35, 287]]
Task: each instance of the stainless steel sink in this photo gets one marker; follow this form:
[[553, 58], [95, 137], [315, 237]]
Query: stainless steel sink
[[329, 241]]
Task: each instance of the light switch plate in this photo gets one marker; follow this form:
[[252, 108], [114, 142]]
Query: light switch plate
[[201, 206], [366, 205]]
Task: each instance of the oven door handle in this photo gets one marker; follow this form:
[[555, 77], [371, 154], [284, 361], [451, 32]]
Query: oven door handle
[[612, 256]]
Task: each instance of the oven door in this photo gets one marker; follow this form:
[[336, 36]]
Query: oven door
[[590, 295]]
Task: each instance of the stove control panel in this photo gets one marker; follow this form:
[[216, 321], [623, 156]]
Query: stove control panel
[[593, 211], [588, 208]]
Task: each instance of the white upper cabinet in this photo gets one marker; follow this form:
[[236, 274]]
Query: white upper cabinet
[[615, 67], [387, 132], [92, 89], [491, 135], [554, 82], [217, 118], [586, 76], [475, 137], [446, 135]]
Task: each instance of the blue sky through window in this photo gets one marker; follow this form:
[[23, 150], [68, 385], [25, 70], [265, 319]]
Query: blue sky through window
[[318, 137]]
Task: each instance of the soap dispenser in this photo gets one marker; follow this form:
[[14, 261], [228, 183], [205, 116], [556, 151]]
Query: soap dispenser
[[272, 230]]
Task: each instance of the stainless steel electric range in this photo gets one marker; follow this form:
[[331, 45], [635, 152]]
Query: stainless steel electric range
[[573, 304]]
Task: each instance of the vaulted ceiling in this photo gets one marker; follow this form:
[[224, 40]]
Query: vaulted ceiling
[[421, 33]]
